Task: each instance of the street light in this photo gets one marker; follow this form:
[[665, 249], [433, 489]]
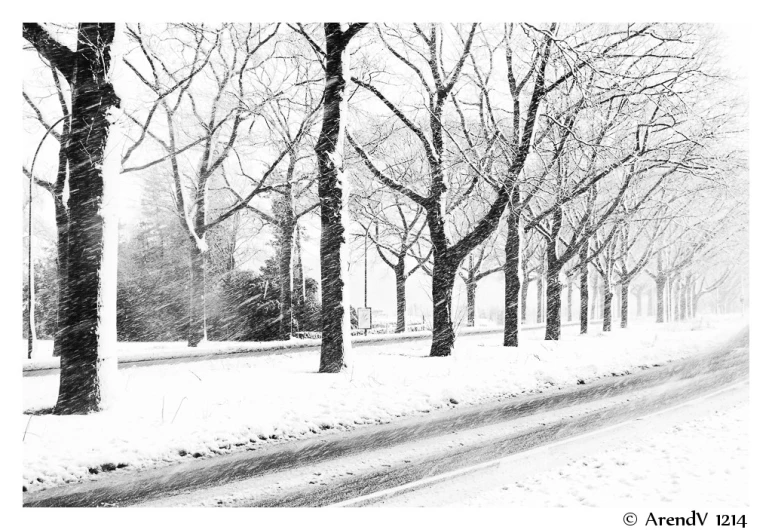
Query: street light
[[31, 270]]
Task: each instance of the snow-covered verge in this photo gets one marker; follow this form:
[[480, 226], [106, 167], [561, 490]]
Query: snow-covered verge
[[167, 413]]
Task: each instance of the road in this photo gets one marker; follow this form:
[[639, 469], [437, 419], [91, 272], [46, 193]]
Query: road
[[333, 468], [281, 348], [694, 453]]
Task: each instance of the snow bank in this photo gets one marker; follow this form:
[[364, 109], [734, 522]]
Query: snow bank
[[168, 413]]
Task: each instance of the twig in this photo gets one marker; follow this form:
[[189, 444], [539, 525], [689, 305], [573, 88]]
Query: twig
[[180, 405], [26, 428]]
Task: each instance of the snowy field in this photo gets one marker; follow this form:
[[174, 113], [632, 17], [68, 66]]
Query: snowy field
[[168, 413]]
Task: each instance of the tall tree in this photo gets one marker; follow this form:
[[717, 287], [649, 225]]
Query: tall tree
[[333, 196], [213, 109], [439, 86], [85, 340]]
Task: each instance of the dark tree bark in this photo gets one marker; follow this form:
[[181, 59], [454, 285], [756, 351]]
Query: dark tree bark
[[584, 295], [443, 335], [333, 196], [552, 328], [552, 331], [401, 279], [624, 296], [608, 296], [512, 275], [471, 290], [83, 337]]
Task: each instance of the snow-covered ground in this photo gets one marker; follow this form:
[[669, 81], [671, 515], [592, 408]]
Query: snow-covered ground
[[172, 412], [694, 456]]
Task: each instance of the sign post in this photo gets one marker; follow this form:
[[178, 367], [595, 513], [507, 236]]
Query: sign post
[[364, 318]]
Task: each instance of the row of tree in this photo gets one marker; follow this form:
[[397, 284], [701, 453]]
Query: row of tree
[[569, 146]]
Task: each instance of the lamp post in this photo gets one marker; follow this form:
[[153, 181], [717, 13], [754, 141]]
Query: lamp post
[[31, 271], [31, 280], [367, 235]]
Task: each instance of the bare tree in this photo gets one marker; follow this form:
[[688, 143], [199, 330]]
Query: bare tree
[[83, 331], [211, 109], [483, 261], [333, 196], [439, 85], [292, 192], [397, 229]]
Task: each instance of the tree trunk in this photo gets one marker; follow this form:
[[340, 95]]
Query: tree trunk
[[584, 295], [608, 296], [86, 339], [660, 284], [471, 292], [569, 298], [62, 224], [286, 248], [512, 281], [333, 196], [539, 299], [524, 300], [197, 300], [624, 297], [399, 271], [552, 331], [443, 336], [584, 299]]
